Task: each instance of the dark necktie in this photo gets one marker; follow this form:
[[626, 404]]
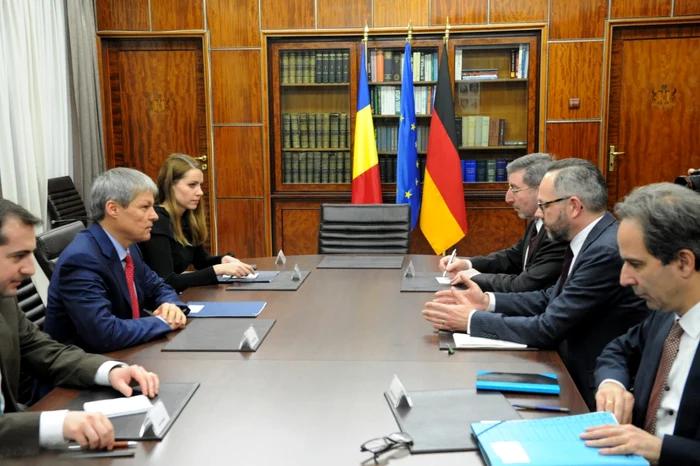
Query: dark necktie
[[531, 248], [671, 345], [566, 265], [129, 271]]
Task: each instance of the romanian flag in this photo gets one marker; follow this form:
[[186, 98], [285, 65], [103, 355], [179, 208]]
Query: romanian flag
[[366, 188], [443, 216]]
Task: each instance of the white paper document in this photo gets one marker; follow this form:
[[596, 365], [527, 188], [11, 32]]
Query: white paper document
[[119, 406], [462, 340], [444, 280]]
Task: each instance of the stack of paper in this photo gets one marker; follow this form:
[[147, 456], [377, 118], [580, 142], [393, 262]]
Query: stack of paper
[[465, 341]]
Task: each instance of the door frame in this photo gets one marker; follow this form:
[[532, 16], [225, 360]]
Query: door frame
[[194, 34], [610, 27]]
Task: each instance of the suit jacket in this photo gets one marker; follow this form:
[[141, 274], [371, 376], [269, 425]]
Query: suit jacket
[[578, 319], [22, 342], [633, 360], [503, 270], [89, 303]]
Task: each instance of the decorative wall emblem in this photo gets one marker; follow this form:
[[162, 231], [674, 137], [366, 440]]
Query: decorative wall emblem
[[159, 104], [663, 98]]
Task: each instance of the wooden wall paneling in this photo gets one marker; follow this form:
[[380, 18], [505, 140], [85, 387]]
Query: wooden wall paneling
[[239, 161], [577, 19], [296, 227], [516, 11], [580, 140], [287, 14], [492, 225], [241, 227], [686, 7], [233, 24], [575, 70], [236, 86], [459, 11], [638, 8], [168, 15], [122, 15], [335, 14], [397, 13]]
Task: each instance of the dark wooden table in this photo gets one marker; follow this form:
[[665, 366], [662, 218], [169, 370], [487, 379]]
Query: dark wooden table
[[313, 392]]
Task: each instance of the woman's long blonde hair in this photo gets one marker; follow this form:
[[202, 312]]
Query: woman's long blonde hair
[[173, 170]]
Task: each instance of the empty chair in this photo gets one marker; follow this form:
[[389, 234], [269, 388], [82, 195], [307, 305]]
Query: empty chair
[[30, 303], [65, 203], [50, 245], [364, 229]]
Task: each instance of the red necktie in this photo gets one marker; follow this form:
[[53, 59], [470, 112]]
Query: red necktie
[[129, 271], [671, 346]]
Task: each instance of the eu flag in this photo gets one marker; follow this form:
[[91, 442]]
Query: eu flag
[[407, 183]]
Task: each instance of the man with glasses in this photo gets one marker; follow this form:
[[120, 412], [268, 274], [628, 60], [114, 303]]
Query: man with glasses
[[534, 262], [585, 309]]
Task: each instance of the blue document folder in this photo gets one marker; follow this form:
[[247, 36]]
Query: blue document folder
[[546, 442], [517, 382], [225, 308]]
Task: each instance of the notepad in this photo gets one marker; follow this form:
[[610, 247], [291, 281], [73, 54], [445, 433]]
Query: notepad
[[517, 382], [119, 406], [265, 276], [465, 341], [225, 309], [546, 442]]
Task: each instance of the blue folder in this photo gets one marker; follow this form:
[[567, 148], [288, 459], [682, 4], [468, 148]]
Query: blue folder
[[546, 442], [226, 308], [517, 382]]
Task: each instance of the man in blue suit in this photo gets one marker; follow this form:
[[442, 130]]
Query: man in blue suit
[[585, 309], [651, 375], [101, 287]]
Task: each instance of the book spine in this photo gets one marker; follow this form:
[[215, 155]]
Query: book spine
[[388, 66], [286, 167], [493, 132], [481, 170], [339, 167], [512, 63], [324, 167], [299, 67], [285, 67], [324, 67], [332, 61], [339, 66], [458, 65], [306, 67], [302, 167], [334, 127], [316, 172], [491, 170], [348, 168], [319, 67], [458, 127], [326, 131], [319, 130], [295, 167], [500, 170], [501, 131], [380, 66], [396, 67], [485, 122], [286, 131], [312, 130], [346, 67], [304, 130], [296, 141], [312, 67], [292, 67], [342, 133], [332, 168]]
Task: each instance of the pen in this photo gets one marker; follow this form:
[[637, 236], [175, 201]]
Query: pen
[[542, 408], [452, 258], [118, 444]]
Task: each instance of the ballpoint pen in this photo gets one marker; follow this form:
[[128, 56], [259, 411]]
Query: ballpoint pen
[[542, 408], [118, 444], [452, 258]]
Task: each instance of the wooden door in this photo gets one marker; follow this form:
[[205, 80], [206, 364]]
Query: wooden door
[[155, 104], [654, 115]]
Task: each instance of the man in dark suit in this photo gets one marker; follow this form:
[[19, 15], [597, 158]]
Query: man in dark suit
[[585, 309], [658, 360], [22, 433], [534, 262], [101, 286]]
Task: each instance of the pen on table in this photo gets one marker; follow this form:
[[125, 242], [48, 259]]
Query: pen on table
[[452, 258], [542, 408], [118, 444]]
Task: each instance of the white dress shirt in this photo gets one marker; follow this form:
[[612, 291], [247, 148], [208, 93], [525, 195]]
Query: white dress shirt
[[575, 245], [538, 227]]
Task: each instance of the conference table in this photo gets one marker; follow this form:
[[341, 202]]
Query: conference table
[[313, 391]]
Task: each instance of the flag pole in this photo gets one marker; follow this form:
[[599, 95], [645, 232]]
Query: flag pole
[[366, 34], [410, 32], [447, 30]]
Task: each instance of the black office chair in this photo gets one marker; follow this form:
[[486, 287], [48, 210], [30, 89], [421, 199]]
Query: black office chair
[[50, 245], [364, 229], [30, 303], [65, 203]]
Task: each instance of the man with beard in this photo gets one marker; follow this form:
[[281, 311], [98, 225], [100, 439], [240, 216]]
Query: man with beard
[[585, 309], [534, 262]]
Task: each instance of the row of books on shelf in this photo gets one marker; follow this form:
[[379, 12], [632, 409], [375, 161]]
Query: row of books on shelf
[[315, 131], [388, 138], [316, 167], [315, 66], [519, 66], [387, 100], [387, 65], [489, 170], [480, 131]]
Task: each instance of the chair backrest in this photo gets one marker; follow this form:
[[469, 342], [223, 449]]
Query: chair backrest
[[50, 245], [30, 303], [65, 203], [364, 229]]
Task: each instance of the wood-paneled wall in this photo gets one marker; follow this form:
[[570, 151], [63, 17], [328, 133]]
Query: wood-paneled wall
[[573, 60]]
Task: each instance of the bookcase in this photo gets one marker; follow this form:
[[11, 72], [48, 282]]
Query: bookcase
[[313, 97]]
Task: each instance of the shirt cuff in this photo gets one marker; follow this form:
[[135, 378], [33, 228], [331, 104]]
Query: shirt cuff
[[469, 321], [613, 381], [492, 301], [102, 374], [469, 264], [51, 428]]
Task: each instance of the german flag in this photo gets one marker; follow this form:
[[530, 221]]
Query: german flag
[[443, 215], [366, 188]]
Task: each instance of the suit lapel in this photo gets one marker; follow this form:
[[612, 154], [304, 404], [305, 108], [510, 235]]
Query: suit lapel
[[594, 234], [528, 232], [687, 422], [7, 354], [115, 265]]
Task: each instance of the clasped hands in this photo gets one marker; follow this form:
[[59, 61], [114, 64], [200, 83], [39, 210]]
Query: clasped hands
[[172, 315], [94, 430], [451, 308]]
